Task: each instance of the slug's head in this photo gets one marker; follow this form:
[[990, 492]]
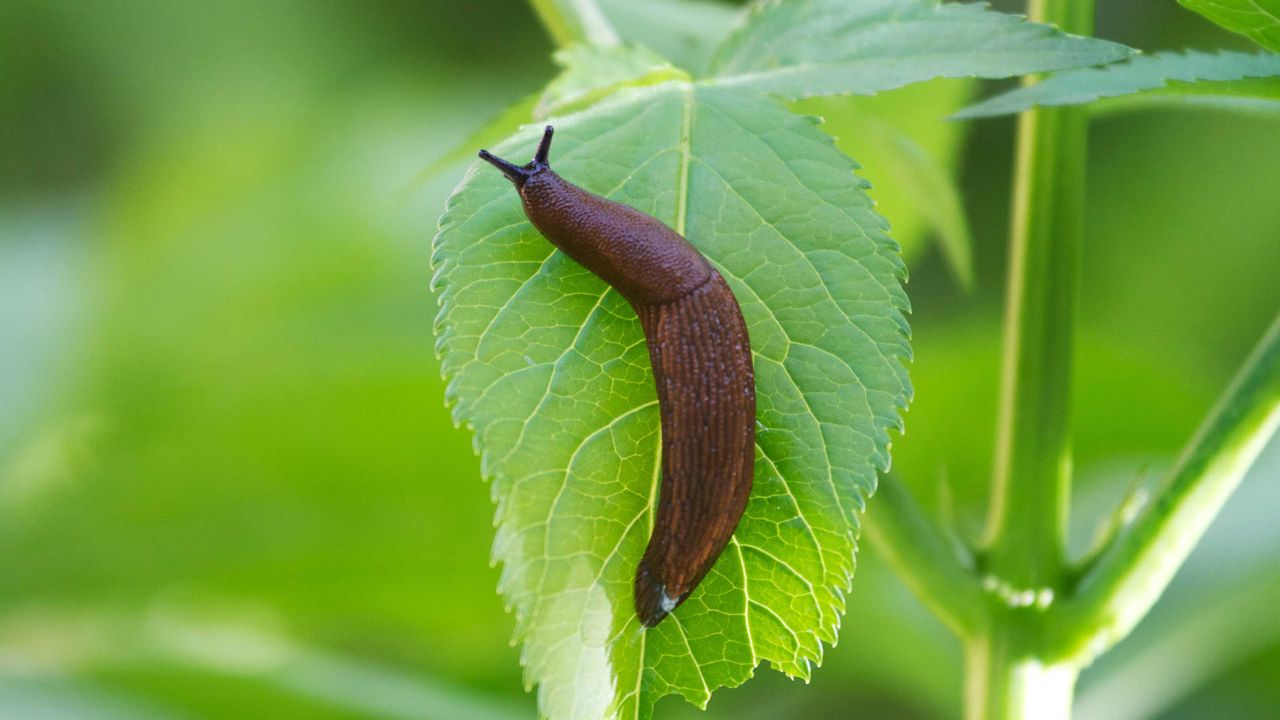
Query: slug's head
[[520, 174]]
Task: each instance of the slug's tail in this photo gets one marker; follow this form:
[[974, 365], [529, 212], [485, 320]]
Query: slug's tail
[[652, 601], [519, 174], [702, 366]]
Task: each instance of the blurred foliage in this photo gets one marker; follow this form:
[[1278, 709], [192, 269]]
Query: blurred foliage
[[1258, 20], [910, 156], [229, 487]]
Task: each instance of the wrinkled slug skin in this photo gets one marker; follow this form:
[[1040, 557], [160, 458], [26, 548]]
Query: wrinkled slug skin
[[706, 395], [701, 359]]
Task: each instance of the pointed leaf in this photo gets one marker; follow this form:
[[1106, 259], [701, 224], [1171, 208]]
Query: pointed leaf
[[549, 368], [1226, 79], [800, 48], [592, 72], [1258, 20]]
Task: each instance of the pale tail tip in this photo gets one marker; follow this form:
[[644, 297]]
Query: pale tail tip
[[652, 601]]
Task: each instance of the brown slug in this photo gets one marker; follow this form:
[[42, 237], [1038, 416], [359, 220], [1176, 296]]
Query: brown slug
[[701, 359]]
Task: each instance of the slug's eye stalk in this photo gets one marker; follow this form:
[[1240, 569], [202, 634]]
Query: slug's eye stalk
[[520, 174], [544, 147], [514, 173]]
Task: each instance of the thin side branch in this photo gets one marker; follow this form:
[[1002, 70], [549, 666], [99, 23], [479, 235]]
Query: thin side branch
[[924, 558], [1131, 574]]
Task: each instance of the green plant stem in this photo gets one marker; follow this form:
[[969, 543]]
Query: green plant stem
[[1129, 576], [1005, 679], [1027, 528], [1007, 675], [571, 22], [924, 558]]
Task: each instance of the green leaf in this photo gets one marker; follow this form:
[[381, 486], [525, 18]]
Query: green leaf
[[592, 72], [800, 48], [548, 367], [685, 31], [1219, 80], [1258, 20]]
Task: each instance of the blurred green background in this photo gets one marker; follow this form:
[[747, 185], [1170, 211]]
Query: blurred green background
[[228, 484]]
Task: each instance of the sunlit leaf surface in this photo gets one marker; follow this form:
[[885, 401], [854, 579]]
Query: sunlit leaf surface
[[549, 368], [823, 47], [592, 72], [1256, 19]]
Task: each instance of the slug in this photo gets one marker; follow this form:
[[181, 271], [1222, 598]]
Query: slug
[[701, 358]]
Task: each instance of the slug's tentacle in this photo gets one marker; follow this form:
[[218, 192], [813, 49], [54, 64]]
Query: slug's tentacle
[[544, 147], [701, 357], [514, 173], [519, 174]]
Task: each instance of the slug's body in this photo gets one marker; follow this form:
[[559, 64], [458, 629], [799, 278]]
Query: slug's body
[[701, 359]]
